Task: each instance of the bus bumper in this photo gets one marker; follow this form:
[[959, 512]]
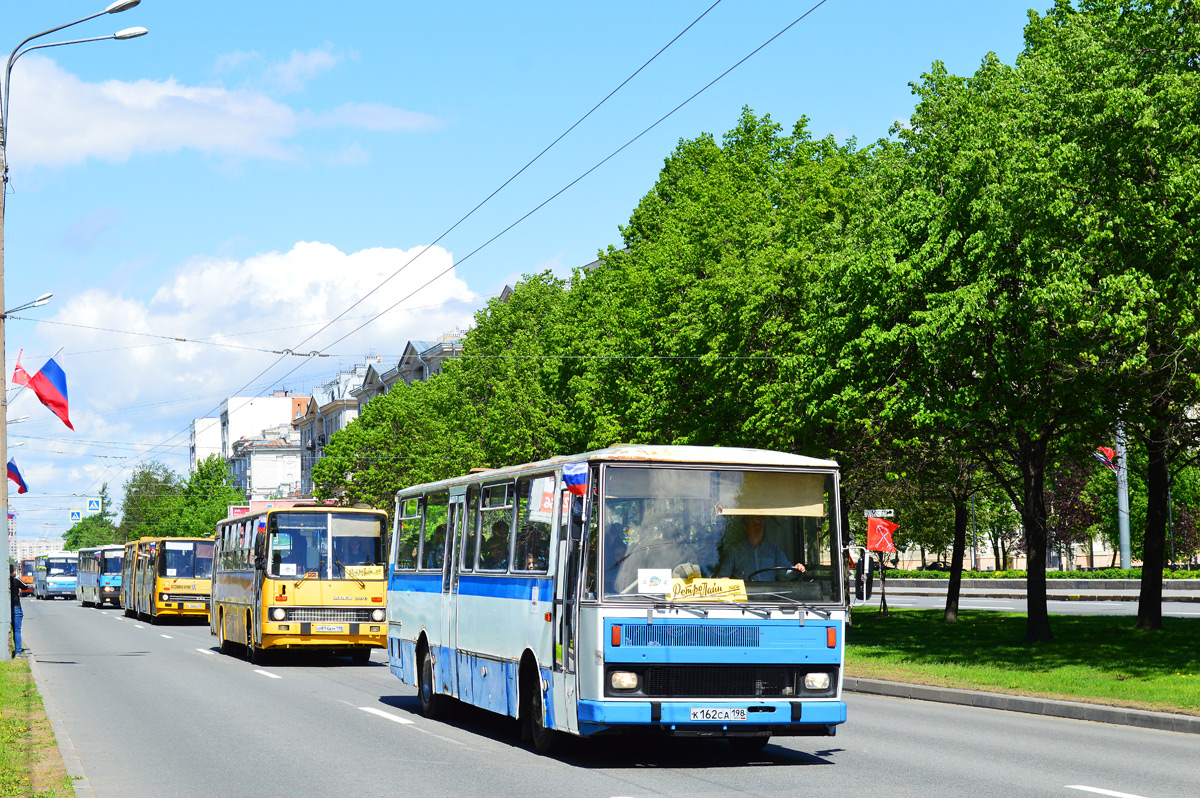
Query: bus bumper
[[779, 718]]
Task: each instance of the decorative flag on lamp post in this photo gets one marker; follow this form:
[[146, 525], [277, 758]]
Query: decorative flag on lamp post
[[1108, 457], [15, 475], [879, 534], [50, 385]]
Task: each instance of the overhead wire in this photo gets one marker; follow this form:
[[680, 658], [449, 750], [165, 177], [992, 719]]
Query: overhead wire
[[470, 213]]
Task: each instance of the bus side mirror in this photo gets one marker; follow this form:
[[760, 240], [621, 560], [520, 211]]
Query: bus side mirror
[[864, 577], [260, 562]]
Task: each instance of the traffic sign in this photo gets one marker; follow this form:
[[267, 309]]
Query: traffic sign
[[879, 513], [94, 506], [76, 516]]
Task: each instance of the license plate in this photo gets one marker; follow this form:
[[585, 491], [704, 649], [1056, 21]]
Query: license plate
[[718, 713], [193, 605], [328, 627]]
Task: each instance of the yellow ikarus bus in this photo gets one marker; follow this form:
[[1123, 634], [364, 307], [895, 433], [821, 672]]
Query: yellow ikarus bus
[[307, 577], [168, 577]]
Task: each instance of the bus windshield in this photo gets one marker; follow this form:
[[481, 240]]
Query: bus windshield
[[301, 543], [61, 567], [186, 559], [684, 534], [113, 561], [27, 568]]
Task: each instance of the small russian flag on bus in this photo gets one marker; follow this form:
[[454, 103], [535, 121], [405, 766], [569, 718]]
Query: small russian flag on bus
[[575, 478]]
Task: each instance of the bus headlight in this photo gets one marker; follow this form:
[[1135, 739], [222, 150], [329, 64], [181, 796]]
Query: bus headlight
[[278, 614], [816, 681], [162, 596], [624, 680], [377, 615]]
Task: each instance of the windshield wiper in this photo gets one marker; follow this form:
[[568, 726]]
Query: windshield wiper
[[360, 582], [307, 574], [826, 614]]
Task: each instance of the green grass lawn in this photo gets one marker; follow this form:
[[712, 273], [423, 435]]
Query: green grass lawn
[[1097, 659], [30, 764]]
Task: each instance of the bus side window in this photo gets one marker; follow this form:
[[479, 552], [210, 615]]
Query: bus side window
[[408, 534], [496, 528], [535, 508], [433, 548], [470, 531]]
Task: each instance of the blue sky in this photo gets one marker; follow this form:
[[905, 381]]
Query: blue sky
[[247, 171]]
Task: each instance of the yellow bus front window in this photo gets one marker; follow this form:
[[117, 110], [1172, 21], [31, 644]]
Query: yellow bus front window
[[186, 559], [301, 542]]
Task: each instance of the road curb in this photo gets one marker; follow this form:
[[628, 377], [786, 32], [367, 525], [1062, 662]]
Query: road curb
[[1163, 721], [71, 761]]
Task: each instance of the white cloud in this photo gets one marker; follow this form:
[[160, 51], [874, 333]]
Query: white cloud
[[293, 74], [59, 119]]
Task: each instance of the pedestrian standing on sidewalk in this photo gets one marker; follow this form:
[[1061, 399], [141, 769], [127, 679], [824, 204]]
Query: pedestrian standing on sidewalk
[[15, 586]]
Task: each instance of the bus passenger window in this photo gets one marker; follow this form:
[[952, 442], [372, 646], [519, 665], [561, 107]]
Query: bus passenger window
[[535, 497], [495, 528], [408, 536], [433, 549]]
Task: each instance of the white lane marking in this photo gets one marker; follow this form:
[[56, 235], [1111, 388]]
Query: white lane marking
[[388, 715], [1099, 791], [167, 636], [271, 675], [138, 626], [206, 651]]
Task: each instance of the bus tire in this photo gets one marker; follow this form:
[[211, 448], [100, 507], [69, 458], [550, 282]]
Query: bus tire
[[360, 656], [432, 705], [545, 741]]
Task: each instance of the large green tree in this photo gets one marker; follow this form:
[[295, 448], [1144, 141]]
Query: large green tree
[[151, 504]]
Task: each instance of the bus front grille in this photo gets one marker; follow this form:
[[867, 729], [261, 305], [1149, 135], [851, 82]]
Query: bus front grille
[[684, 681], [331, 614]]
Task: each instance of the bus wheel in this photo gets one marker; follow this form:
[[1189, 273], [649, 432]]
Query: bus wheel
[[545, 741], [748, 745], [432, 704]]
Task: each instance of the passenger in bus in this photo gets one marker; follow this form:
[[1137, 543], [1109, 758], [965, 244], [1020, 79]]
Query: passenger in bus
[[435, 547], [494, 554], [754, 554], [533, 546]]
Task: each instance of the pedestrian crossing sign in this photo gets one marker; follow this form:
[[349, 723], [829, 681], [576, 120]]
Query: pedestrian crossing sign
[[93, 506], [76, 516]]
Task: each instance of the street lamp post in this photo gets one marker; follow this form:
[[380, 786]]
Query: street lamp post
[[20, 50]]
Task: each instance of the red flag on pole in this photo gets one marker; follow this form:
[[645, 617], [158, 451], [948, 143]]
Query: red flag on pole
[[879, 535]]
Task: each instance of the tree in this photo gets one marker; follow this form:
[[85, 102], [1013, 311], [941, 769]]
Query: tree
[[205, 498], [94, 530], [1124, 77], [151, 504]]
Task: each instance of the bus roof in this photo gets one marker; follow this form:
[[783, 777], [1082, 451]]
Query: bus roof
[[649, 453]]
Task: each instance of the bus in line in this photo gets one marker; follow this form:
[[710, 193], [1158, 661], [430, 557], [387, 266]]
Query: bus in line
[[54, 575], [689, 591], [308, 577], [100, 575], [167, 577], [25, 572]]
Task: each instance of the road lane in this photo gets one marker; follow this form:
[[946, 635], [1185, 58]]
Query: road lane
[[151, 716]]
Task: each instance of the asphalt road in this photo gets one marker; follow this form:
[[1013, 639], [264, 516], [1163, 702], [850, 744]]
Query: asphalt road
[[156, 711], [1170, 609]]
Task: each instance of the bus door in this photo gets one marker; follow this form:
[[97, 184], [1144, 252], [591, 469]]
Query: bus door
[[566, 608], [455, 521]]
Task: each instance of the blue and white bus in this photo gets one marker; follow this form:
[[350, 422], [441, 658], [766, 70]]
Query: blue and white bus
[[689, 590], [55, 575], [100, 575]]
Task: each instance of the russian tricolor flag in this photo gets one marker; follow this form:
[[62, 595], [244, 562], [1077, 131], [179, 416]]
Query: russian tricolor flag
[[50, 385], [575, 478], [15, 475]]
